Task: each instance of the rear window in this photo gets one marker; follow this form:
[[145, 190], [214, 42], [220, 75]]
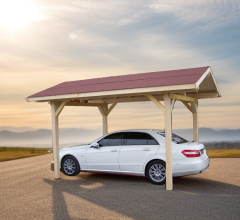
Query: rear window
[[175, 138]]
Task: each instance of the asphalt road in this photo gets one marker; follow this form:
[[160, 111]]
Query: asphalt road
[[29, 191]]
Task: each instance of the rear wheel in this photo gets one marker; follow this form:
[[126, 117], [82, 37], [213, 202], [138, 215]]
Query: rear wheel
[[70, 166], [156, 172]]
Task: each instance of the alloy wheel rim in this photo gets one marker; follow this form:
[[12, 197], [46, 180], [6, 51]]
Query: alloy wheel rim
[[157, 172], [69, 166]]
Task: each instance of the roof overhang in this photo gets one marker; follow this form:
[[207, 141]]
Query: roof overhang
[[205, 87]]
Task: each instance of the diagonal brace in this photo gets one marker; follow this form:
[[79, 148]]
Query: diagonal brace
[[111, 108], [156, 102], [187, 105], [60, 108]]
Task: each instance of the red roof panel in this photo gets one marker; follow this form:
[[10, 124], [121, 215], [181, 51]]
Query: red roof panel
[[141, 80]]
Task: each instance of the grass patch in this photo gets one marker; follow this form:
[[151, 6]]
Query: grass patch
[[223, 153], [17, 153]]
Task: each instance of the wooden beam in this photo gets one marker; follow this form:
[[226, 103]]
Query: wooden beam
[[168, 140], [128, 92], [60, 108], [173, 103], [156, 102], [203, 77], [111, 108], [103, 111], [55, 140], [126, 99], [183, 98], [84, 104], [195, 121], [187, 105]]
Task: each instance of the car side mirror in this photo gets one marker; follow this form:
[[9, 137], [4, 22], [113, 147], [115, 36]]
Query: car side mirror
[[95, 145]]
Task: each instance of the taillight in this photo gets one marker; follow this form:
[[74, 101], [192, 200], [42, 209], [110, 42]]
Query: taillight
[[191, 153]]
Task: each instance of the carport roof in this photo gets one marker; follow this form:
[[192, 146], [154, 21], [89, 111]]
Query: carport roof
[[198, 82]]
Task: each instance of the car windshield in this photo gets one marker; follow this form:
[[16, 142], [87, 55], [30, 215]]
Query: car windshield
[[175, 138]]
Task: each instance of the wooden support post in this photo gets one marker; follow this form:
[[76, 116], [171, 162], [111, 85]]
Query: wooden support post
[[195, 121], [55, 140], [168, 140], [103, 111]]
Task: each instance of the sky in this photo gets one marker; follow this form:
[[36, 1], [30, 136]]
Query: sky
[[46, 42]]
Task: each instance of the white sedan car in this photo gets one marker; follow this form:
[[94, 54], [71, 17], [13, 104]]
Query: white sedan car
[[135, 152]]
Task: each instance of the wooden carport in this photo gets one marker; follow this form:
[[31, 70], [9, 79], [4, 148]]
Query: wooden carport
[[185, 85]]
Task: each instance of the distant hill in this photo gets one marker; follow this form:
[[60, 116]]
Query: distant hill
[[42, 136], [81, 135], [209, 134], [17, 129]]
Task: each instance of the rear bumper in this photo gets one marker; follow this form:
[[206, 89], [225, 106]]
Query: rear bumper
[[190, 169]]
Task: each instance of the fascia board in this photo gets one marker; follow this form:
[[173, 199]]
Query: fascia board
[[208, 71], [203, 77], [219, 94], [159, 89]]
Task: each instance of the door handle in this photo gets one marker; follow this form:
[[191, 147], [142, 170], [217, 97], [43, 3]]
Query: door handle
[[146, 149], [114, 150]]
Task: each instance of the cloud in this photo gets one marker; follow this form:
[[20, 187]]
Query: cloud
[[215, 13], [90, 39]]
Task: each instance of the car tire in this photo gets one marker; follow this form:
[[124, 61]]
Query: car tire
[[70, 166], [156, 172]]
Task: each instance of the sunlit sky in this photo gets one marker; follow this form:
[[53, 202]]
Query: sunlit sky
[[46, 42]]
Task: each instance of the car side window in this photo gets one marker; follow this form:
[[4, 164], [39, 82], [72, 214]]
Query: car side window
[[112, 140], [137, 138]]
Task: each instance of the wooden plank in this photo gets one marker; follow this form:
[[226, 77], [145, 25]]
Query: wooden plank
[[183, 98], [187, 105], [203, 77], [103, 111], [156, 102], [195, 121], [84, 104], [204, 95], [60, 108], [103, 94], [55, 141], [127, 99], [218, 91], [209, 71], [168, 140], [111, 108], [173, 103]]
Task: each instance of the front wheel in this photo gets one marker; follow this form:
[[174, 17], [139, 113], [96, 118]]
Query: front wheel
[[156, 172], [70, 166]]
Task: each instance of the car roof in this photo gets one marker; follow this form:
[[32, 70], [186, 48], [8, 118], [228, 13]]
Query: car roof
[[138, 130]]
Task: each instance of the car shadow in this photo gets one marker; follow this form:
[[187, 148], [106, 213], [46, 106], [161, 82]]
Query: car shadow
[[128, 197]]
